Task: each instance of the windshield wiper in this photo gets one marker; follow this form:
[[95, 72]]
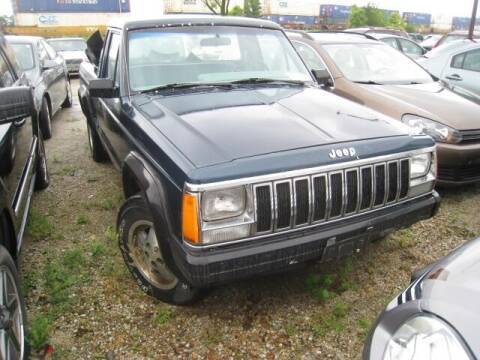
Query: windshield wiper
[[369, 82], [175, 86], [257, 80]]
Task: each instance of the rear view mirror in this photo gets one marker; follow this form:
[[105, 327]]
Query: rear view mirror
[[323, 78], [94, 47], [102, 88], [16, 103]]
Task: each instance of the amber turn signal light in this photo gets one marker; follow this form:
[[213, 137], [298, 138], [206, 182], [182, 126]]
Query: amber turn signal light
[[190, 218]]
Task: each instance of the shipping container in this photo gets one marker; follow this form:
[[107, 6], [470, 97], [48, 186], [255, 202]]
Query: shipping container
[[417, 18], [336, 12], [71, 6], [462, 23], [292, 19]]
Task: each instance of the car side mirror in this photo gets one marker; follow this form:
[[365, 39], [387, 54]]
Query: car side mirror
[[48, 64], [323, 78], [103, 88], [16, 103]]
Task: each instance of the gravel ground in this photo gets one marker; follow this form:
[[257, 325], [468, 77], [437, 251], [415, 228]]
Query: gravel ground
[[83, 302]]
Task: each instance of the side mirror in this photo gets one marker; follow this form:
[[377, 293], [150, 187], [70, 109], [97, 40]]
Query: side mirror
[[103, 88], [323, 78], [16, 103], [48, 64]]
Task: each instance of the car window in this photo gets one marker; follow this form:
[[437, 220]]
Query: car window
[[310, 56], [457, 61], [111, 60], [24, 55], [6, 76], [42, 52], [410, 47], [52, 54], [392, 42], [472, 60]]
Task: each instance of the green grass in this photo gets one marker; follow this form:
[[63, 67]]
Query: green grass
[[39, 226], [82, 219], [405, 238], [111, 234], [163, 317], [364, 326], [39, 331], [291, 329], [333, 321], [98, 249]]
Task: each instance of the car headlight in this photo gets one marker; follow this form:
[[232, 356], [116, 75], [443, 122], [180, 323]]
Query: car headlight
[[223, 204], [426, 337], [420, 165], [439, 132]]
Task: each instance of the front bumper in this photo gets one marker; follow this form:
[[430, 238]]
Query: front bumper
[[205, 267], [458, 164]]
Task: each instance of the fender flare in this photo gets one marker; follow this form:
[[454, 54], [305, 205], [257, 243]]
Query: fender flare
[[151, 187]]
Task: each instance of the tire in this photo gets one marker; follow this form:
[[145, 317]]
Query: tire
[[42, 179], [12, 311], [142, 254], [96, 147], [45, 120], [67, 103]]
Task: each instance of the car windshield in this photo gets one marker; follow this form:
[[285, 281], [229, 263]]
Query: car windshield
[[24, 55], [68, 45], [210, 54], [376, 63]]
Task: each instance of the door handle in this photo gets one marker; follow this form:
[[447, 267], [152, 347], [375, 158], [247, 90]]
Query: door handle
[[454, 77], [20, 123]]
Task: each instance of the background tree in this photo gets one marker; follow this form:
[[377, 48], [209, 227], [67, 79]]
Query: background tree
[[396, 21], [252, 8], [369, 15], [236, 11], [357, 17], [218, 7]]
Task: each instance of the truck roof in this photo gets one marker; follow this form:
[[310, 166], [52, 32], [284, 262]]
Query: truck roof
[[192, 20]]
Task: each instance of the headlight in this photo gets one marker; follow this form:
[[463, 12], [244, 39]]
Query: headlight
[[420, 165], [425, 337], [223, 204], [436, 130]]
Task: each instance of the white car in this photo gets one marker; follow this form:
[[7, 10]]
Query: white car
[[72, 50], [457, 63]]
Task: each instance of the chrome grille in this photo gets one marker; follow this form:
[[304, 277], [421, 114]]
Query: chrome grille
[[301, 201]]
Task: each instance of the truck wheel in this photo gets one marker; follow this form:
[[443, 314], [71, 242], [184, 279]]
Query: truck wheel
[[96, 147], [42, 179], [12, 310], [142, 254], [45, 120], [68, 100]]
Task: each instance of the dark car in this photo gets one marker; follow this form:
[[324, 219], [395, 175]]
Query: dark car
[[48, 75], [72, 49], [436, 317], [23, 168], [373, 74], [234, 163], [404, 45]]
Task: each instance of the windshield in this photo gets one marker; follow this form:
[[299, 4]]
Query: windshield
[[68, 45], [376, 63], [210, 54], [24, 54]]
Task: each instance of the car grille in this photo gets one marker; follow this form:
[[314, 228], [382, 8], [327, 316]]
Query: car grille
[[74, 61], [301, 201], [459, 174], [470, 136]]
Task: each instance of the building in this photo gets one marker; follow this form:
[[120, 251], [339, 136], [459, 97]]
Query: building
[[80, 13]]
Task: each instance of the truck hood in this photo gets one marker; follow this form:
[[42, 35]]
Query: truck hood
[[220, 126], [433, 101]]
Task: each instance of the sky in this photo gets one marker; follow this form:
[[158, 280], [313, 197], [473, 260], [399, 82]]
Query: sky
[[434, 7]]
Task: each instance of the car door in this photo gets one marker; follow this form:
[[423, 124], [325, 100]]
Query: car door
[[108, 110], [410, 48], [16, 145], [56, 75], [464, 70]]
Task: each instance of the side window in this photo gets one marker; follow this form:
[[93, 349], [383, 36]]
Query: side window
[[391, 42], [410, 48], [310, 56], [457, 61], [42, 52], [111, 58], [6, 77], [472, 60], [52, 54]]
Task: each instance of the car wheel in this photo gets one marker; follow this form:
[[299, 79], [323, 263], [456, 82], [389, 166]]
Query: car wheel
[[96, 147], [45, 120], [141, 250], [42, 179], [69, 99], [12, 310]]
